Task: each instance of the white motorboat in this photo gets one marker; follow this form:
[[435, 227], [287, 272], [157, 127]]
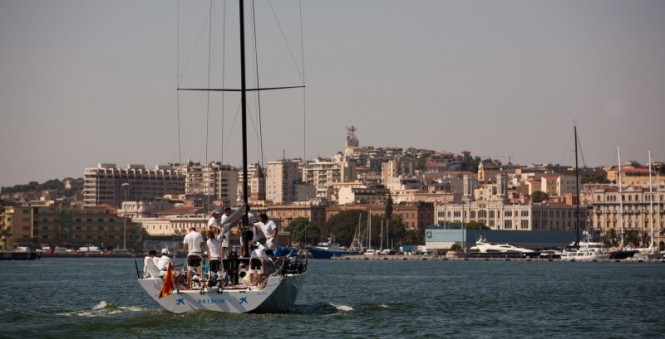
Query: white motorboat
[[483, 246], [589, 254], [587, 251]]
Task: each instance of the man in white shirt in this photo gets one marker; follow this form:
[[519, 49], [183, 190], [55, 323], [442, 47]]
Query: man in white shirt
[[214, 221], [152, 256], [269, 230], [193, 244], [257, 263], [164, 260], [226, 234]]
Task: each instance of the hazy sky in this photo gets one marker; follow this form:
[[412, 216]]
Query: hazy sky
[[84, 82]]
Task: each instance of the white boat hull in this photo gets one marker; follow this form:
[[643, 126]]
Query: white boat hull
[[278, 296]]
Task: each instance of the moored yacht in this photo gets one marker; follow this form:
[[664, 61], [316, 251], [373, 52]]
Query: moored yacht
[[483, 246]]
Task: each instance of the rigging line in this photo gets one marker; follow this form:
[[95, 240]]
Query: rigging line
[[191, 53], [301, 74], [579, 144], [235, 119], [177, 81], [258, 93]]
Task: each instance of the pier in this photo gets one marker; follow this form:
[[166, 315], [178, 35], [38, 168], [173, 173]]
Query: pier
[[485, 258]]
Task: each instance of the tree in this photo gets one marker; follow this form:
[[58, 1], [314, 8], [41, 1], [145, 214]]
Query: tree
[[389, 207], [303, 231], [5, 234], [539, 196], [342, 226]]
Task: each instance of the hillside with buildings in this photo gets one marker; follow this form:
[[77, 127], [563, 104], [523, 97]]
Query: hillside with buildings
[[425, 187]]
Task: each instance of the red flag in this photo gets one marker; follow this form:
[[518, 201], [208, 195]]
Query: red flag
[[167, 286]]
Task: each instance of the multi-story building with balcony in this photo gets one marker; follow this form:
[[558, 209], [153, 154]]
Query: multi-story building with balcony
[[281, 180], [636, 216], [500, 215], [108, 184], [323, 173], [72, 226], [212, 180]]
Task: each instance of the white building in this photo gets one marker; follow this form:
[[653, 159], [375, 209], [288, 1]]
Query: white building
[[108, 184]]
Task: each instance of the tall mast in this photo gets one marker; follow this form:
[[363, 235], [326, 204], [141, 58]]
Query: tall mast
[[243, 96], [577, 192], [620, 196], [650, 205]]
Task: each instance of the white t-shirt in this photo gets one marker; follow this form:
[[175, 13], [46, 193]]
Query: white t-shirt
[[145, 263], [213, 222], [163, 262], [258, 253], [269, 229], [215, 246], [227, 233], [193, 240]]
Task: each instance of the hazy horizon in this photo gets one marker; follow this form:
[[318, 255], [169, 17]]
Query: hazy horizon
[[87, 82]]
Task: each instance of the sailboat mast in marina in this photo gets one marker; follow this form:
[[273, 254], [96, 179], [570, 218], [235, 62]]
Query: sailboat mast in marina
[[620, 184], [577, 194], [651, 238]]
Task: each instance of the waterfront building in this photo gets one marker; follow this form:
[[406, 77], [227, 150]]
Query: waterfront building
[[108, 184], [501, 215], [413, 215], [68, 225], [637, 217]]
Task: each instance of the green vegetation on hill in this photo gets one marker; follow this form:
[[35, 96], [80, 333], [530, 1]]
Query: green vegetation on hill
[[55, 185]]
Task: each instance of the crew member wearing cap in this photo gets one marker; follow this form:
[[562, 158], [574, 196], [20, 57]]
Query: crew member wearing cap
[[214, 221], [164, 260], [193, 244], [163, 265]]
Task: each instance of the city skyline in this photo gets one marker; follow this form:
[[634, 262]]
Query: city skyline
[[90, 82]]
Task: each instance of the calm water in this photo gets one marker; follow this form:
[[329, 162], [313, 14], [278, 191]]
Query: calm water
[[101, 298]]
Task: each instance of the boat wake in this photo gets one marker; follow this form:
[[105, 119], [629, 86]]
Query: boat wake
[[103, 308], [323, 308], [342, 308]]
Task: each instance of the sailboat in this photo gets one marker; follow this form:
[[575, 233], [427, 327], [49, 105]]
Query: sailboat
[[329, 249], [233, 292], [649, 252], [621, 252], [586, 250]]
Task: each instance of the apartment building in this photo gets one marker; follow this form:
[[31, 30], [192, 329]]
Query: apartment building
[[70, 225], [500, 215], [281, 180], [322, 173], [108, 184], [213, 180], [636, 216]]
